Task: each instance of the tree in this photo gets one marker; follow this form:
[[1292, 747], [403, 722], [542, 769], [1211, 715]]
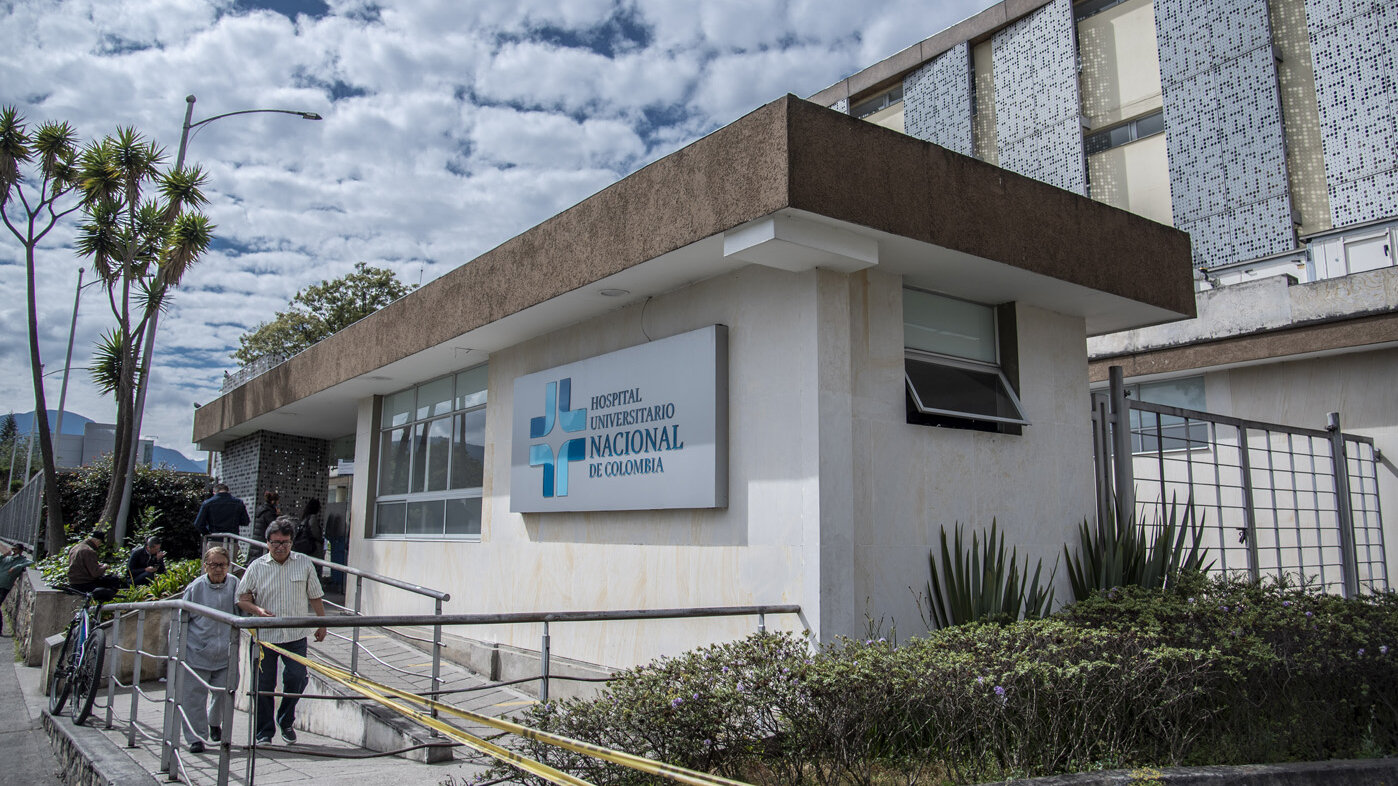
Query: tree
[[320, 311], [141, 244], [30, 212], [8, 429]]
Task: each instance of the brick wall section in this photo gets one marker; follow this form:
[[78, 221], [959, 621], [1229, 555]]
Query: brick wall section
[[296, 467]]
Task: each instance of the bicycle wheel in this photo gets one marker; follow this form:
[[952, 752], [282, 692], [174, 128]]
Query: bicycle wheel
[[89, 675], [59, 683]]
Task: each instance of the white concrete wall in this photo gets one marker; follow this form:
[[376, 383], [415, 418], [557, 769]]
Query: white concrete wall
[[834, 499], [1358, 385], [913, 480], [752, 552]]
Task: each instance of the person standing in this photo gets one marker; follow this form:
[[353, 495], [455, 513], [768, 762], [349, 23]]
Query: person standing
[[266, 513], [281, 583], [146, 562], [206, 651], [221, 513], [310, 532], [12, 566]]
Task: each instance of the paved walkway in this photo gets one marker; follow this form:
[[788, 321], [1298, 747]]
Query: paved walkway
[[24, 747], [313, 757]]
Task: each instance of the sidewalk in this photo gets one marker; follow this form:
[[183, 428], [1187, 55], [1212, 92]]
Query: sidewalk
[[24, 747], [313, 757]]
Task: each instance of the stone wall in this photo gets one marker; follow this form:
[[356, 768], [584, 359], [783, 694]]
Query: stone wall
[[296, 467]]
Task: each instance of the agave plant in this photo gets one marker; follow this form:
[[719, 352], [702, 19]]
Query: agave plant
[[984, 582], [1124, 553]]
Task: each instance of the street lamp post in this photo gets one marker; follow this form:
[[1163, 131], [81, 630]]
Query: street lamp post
[[144, 381]]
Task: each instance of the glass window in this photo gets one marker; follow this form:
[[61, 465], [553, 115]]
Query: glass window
[[432, 458], [464, 516], [398, 408], [1152, 432], [394, 462], [438, 453], [951, 364], [425, 517], [947, 326], [389, 520], [468, 451], [434, 398], [470, 388]]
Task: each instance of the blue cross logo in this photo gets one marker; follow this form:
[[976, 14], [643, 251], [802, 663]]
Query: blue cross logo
[[557, 402]]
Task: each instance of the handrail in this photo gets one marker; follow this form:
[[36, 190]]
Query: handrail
[[391, 620], [389, 580], [174, 718]]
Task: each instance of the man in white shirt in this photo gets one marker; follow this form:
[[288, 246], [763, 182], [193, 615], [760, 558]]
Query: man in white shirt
[[281, 583]]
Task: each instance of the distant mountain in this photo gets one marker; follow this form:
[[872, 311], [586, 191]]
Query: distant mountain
[[73, 423]]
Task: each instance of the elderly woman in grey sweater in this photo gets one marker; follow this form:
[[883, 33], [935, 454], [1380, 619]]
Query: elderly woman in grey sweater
[[206, 650]]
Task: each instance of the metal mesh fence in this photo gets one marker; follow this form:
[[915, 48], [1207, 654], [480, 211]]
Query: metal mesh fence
[[20, 517], [1267, 495]]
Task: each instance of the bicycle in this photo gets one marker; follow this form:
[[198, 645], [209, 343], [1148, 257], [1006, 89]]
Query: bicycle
[[78, 669]]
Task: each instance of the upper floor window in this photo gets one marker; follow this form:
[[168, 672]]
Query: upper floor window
[[1126, 133], [952, 364], [432, 458], [878, 103], [1152, 432]]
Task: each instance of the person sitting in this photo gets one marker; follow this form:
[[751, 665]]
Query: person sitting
[[12, 566], [146, 562], [85, 572]]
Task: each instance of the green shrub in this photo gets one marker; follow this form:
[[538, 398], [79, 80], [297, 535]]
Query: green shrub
[[1214, 671], [172, 498], [1125, 553], [172, 582], [979, 583]]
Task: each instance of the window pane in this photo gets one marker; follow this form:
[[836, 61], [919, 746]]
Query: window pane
[[425, 518], [1150, 124], [434, 398], [953, 390], [438, 452], [398, 408], [389, 520], [394, 450], [468, 450], [470, 388], [464, 516], [947, 326], [419, 477]]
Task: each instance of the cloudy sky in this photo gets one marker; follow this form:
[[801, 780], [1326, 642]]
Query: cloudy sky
[[450, 126]]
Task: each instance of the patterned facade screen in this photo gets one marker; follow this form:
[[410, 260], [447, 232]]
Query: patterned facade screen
[[1228, 176], [1354, 45], [1037, 108], [937, 101]]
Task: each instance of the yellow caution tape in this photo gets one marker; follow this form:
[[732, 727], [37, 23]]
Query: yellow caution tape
[[471, 741], [639, 763]]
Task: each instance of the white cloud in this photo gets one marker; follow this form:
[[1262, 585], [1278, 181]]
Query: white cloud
[[448, 129]]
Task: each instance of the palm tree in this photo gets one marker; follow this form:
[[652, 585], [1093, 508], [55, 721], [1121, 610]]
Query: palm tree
[[30, 212], [140, 246]]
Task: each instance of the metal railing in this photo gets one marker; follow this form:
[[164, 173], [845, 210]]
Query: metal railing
[[174, 718], [1275, 500], [438, 597], [21, 515]]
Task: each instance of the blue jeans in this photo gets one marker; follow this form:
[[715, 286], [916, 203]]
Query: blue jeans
[[293, 681]]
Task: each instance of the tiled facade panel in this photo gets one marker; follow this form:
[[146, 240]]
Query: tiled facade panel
[[1354, 47], [937, 101], [1228, 178], [1037, 108], [296, 467]]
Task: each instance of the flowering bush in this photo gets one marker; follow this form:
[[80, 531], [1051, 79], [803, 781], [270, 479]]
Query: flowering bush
[[1206, 671]]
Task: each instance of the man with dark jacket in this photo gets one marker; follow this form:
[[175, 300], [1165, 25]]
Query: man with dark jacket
[[222, 512], [146, 562]]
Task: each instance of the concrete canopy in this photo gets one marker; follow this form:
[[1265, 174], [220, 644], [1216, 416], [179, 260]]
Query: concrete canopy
[[788, 185]]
